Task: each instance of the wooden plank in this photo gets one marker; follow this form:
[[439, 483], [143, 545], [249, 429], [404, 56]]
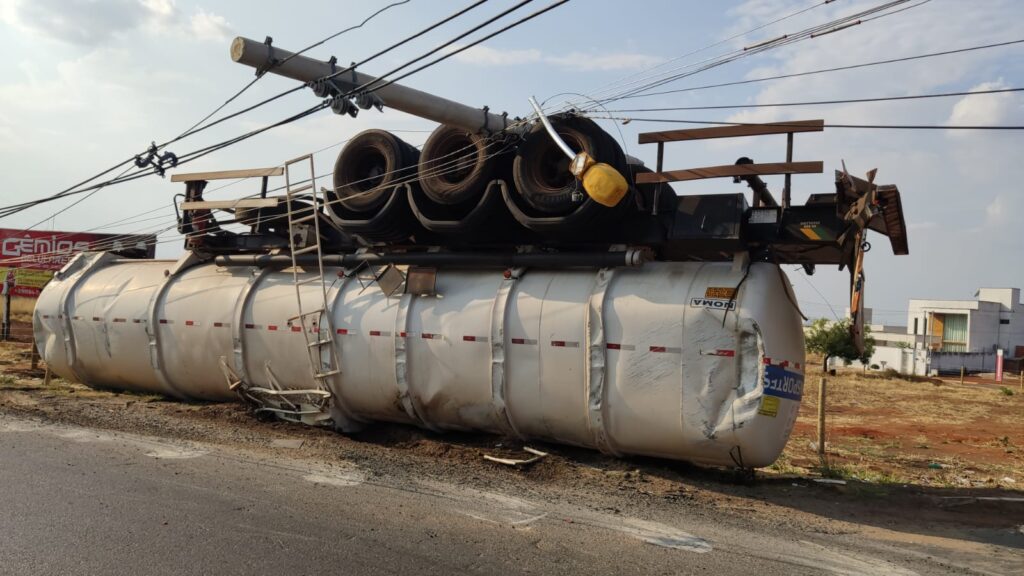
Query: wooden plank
[[228, 174], [733, 131], [731, 170], [230, 204]]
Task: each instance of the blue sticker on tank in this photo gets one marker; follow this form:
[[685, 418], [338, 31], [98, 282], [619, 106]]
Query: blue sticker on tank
[[782, 383]]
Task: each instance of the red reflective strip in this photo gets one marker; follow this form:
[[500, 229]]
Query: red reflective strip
[[271, 327], [136, 320], [784, 363], [218, 324], [296, 328], [613, 346], [767, 360], [400, 334], [558, 343], [726, 353], [96, 319], [797, 366], [46, 315], [428, 336], [374, 332], [469, 338], [190, 322], [164, 321], [120, 320], [657, 348], [519, 340], [342, 330], [250, 326]]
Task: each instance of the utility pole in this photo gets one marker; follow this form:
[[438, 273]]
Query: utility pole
[[5, 324], [821, 421]]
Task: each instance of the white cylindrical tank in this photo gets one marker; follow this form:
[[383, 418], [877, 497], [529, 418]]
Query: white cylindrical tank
[[691, 361]]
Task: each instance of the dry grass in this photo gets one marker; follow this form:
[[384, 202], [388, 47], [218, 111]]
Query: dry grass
[[910, 431]]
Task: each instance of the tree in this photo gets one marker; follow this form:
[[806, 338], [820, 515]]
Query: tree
[[833, 340]]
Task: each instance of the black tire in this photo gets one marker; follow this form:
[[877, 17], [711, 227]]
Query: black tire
[[456, 166], [541, 169], [369, 167]]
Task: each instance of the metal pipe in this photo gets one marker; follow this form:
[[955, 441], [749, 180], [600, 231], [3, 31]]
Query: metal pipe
[[304, 69], [551, 129], [558, 260]]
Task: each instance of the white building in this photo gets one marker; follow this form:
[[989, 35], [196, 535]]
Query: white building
[[994, 320], [945, 335]]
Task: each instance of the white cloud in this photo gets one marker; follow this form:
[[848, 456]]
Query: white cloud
[[956, 198], [81, 22], [161, 9], [986, 109], [997, 212], [610, 61], [209, 26], [582, 61], [487, 56], [93, 23]]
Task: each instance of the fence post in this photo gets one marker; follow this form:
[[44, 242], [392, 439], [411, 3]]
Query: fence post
[[5, 329], [821, 420], [961, 375]]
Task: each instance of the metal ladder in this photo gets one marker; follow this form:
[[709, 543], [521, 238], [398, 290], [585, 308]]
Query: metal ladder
[[304, 238]]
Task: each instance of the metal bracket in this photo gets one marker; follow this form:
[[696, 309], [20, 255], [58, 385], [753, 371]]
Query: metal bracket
[[271, 61], [159, 162]]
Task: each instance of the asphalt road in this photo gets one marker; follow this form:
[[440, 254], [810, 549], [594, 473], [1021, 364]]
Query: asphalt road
[[83, 501]]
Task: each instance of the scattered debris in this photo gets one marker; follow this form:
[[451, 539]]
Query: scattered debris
[[537, 455], [829, 481]]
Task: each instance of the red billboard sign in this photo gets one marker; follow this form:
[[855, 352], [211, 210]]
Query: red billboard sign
[[30, 257]]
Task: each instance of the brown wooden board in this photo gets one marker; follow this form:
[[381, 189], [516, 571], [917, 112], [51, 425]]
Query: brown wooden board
[[228, 174], [230, 204], [815, 167], [733, 131]]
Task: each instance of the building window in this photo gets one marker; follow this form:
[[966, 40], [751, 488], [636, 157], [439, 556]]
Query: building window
[[915, 326], [1004, 321]]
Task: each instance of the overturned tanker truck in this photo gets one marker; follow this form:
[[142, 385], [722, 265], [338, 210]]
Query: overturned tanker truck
[[514, 276]]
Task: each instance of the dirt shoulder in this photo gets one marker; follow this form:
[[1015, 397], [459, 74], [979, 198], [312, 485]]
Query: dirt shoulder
[[907, 500]]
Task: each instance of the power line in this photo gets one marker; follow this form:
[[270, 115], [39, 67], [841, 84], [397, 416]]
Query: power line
[[344, 70], [784, 125], [621, 83], [261, 73], [8, 210], [826, 70], [836, 25], [502, 30], [823, 102]]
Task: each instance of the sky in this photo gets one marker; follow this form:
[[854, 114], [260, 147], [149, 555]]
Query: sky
[[85, 84]]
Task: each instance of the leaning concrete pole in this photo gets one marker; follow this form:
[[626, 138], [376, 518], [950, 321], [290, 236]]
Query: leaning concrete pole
[[258, 54]]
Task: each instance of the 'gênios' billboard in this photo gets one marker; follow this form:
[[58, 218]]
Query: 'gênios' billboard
[[28, 258]]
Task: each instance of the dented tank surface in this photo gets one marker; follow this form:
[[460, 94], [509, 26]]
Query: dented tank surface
[[682, 360]]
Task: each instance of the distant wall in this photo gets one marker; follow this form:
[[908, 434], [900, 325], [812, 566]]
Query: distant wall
[[950, 362]]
